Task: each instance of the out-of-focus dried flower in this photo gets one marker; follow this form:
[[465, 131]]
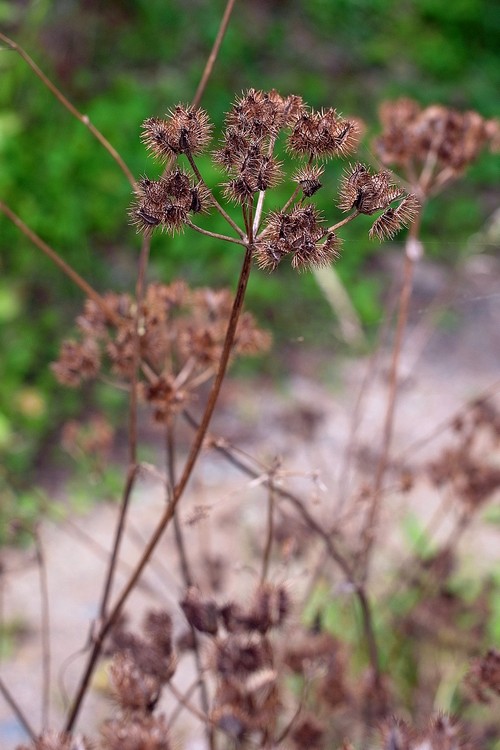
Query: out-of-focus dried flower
[[77, 362], [201, 613], [308, 732], [134, 689], [180, 335], [308, 179], [413, 138]]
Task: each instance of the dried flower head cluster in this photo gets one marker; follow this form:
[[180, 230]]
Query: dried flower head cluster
[[141, 666], [179, 332], [246, 698], [247, 155], [470, 468], [432, 145]]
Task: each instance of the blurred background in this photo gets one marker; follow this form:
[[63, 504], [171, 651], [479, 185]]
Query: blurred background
[[120, 62]]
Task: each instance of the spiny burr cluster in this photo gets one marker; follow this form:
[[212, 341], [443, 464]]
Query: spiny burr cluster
[[247, 155], [178, 333]]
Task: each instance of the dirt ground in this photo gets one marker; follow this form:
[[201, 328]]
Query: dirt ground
[[447, 360]]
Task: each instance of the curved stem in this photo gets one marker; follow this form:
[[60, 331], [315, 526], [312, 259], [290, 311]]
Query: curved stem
[[84, 119], [214, 235]]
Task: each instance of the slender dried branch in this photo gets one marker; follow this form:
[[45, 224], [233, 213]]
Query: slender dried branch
[[84, 119]]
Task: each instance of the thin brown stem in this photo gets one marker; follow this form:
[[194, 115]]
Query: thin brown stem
[[182, 699], [113, 560], [16, 709], [213, 54], [187, 576], [335, 554], [214, 235], [45, 629], [84, 119], [176, 495], [213, 199], [266, 557], [370, 528]]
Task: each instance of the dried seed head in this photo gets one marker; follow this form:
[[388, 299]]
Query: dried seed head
[[133, 688], [77, 362], [308, 732], [323, 134], [201, 614], [270, 606], [185, 131], [308, 179], [393, 219]]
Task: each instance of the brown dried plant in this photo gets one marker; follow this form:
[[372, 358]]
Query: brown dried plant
[[265, 679]]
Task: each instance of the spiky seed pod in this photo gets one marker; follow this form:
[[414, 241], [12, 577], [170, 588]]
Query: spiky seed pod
[[323, 134], [158, 630], [201, 614], [256, 114], [365, 192], [239, 655], [308, 179], [78, 361], [393, 219], [319, 254], [269, 608], [185, 131], [133, 688]]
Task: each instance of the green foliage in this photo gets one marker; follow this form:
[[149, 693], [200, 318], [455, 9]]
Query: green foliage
[[120, 62]]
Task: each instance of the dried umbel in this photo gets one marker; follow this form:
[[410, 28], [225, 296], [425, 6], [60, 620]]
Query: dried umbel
[[142, 665], [432, 145], [246, 153], [178, 332]]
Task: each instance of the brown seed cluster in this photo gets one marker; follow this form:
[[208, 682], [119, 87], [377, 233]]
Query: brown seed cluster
[[247, 695], [168, 202], [369, 193], [297, 233], [435, 143], [141, 666], [247, 155], [470, 468], [179, 333]]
